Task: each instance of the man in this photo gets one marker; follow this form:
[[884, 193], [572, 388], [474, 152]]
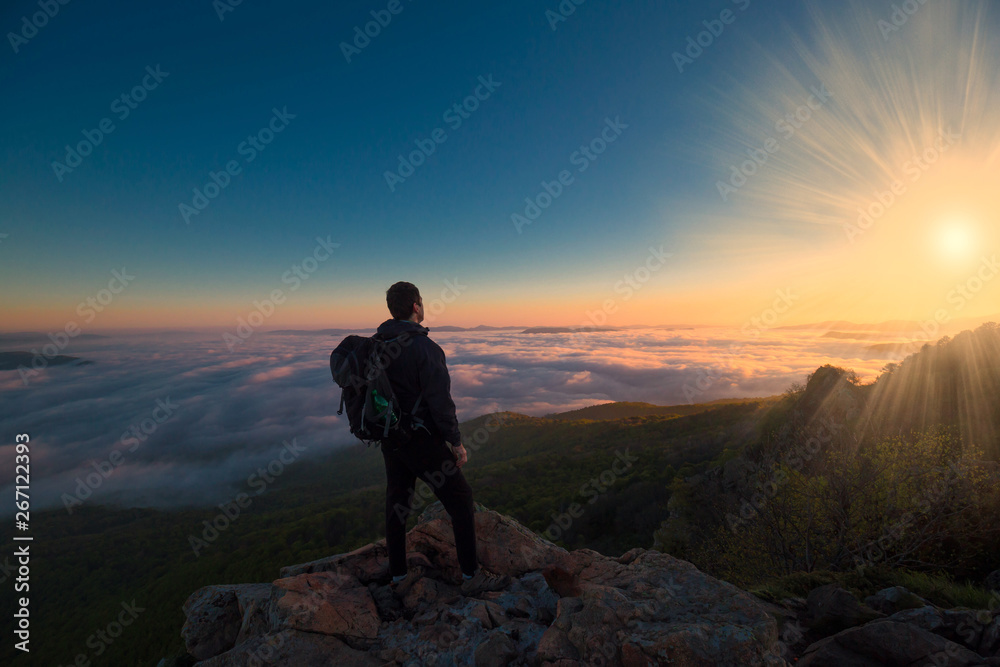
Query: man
[[419, 377]]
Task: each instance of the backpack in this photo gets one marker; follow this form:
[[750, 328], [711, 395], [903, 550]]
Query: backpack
[[375, 416]]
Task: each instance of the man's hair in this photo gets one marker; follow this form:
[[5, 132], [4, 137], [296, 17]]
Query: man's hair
[[400, 299]]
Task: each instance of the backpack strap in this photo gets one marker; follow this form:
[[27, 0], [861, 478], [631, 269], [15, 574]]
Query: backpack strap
[[340, 411], [388, 420], [417, 421]]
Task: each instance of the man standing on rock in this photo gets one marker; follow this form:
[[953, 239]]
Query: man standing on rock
[[435, 455]]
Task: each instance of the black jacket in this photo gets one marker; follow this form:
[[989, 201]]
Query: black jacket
[[419, 364]]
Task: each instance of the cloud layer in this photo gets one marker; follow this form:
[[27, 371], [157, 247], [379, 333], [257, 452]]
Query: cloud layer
[[179, 419]]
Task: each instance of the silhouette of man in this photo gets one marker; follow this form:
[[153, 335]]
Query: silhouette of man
[[420, 380]]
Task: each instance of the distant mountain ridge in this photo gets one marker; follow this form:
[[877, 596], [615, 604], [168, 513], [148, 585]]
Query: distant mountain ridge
[[625, 409], [11, 361]]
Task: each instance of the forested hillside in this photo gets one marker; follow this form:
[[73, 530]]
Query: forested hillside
[[534, 469], [900, 475]]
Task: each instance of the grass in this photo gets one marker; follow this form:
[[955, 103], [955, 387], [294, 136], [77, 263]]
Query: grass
[[937, 588]]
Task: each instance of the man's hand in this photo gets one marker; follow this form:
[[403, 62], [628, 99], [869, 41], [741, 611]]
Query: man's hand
[[461, 456]]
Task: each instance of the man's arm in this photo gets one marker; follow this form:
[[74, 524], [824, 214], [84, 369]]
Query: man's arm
[[436, 384]]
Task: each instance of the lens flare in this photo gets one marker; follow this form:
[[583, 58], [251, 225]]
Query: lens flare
[[877, 135]]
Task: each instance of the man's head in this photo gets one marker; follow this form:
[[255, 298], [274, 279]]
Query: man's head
[[405, 303]]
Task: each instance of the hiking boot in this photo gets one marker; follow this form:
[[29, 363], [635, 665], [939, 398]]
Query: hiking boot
[[483, 581], [403, 587]]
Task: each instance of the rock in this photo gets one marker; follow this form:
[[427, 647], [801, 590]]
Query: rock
[[562, 582], [292, 647], [992, 581], [325, 602], [831, 609], [389, 607], [213, 621], [890, 600], [989, 644], [503, 544], [497, 651], [962, 626], [254, 601], [489, 614], [428, 617], [887, 642], [643, 607], [369, 563], [665, 606], [423, 592]]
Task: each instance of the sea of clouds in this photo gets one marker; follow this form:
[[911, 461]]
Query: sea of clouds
[[217, 415]]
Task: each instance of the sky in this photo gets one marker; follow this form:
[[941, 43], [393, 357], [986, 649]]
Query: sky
[[188, 164]]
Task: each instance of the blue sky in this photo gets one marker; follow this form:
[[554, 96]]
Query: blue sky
[[323, 175]]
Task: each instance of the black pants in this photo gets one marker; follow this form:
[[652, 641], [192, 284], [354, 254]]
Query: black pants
[[430, 459]]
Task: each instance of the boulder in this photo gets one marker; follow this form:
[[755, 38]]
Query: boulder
[[293, 647], [503, 544], [989, 643], [254, 602], [497, 651], [388, 605], [664, 607], [962, 626], [890, 600], [489, 614], [324, 602], [213, 621], [831, 609], [887, 643], [422, 593]]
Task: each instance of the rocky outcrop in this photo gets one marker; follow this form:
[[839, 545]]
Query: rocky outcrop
[[888, 642], [562, 608], [831, 609], [891, 600], [915, 633]]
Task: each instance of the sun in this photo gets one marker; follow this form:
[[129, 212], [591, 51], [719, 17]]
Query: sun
[[956, 239]]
